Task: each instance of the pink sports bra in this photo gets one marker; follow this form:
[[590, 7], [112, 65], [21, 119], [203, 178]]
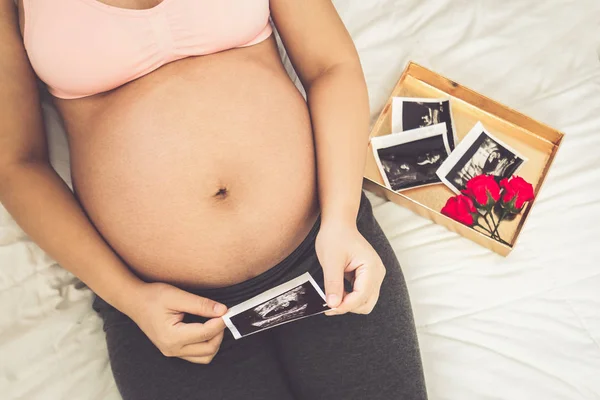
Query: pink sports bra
[[83, 47]]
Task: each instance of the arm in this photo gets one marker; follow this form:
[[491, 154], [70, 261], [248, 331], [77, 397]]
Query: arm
[[30, 189], [43, 205], [327, 63]]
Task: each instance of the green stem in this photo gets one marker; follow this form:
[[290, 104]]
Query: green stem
[[491, 230], [490, 234], [486, 221], [492, 217], [483, 227], [503, 241], [498, 225], [494, 224], [493, 233]]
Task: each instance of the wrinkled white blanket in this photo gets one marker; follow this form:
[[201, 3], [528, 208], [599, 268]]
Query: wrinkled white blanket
[[526, 327]]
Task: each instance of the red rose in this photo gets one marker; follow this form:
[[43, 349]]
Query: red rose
[[516, 192], [460, 208], [483, 189]]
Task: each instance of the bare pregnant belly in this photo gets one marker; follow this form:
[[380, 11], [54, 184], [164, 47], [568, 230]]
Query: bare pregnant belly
[[202, 173]]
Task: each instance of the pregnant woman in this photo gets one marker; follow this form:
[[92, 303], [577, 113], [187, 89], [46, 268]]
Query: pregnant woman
[[202, 178]]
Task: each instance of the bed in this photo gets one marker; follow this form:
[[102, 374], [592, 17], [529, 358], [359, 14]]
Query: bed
[[525, 327]]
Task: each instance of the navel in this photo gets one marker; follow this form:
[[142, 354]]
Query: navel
[[221, 193]]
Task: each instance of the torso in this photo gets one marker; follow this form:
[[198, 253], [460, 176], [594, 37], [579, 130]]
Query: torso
[[201, 173]]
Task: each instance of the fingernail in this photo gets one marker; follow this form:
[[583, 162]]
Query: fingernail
[[332, 300], [219, 308]]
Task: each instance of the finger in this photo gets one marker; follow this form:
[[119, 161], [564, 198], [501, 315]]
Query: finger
[[364, 286], [190, 303], [333, 277], [368, 306], [202, 349], [351, 302], [332, 311], [198, 360], [349, 276], [197, 332]]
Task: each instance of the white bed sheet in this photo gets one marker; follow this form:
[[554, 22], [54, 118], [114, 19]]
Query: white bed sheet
[[526, 327]]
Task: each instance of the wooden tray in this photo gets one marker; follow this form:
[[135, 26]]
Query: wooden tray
[[536, 141]]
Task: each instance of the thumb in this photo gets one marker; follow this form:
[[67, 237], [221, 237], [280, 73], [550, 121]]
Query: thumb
[[333, 277], [197, 305]]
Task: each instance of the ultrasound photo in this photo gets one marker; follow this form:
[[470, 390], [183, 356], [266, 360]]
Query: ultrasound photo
[[296, 299], [410, 159], [411, 113], [479, 153]]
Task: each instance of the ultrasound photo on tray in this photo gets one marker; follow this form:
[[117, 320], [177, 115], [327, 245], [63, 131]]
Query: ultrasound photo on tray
[[410, 159], [299, 298], [412, 112], [479, 153]]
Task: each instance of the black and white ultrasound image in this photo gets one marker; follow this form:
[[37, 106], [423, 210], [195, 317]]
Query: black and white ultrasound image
[[299, 302], [416, 114], [413, 164], [484, 156]]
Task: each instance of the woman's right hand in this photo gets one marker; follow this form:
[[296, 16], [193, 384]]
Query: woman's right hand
[[158, 310]]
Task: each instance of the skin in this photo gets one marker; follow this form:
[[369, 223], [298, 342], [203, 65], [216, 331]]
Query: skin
[[324, 56]]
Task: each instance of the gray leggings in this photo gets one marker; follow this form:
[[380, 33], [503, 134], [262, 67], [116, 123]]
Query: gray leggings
[[374, 357]]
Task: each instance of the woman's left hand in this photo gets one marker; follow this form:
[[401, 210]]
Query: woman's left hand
[[344, 253]]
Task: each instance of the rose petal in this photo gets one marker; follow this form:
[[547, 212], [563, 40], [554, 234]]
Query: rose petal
[[483, 189]]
